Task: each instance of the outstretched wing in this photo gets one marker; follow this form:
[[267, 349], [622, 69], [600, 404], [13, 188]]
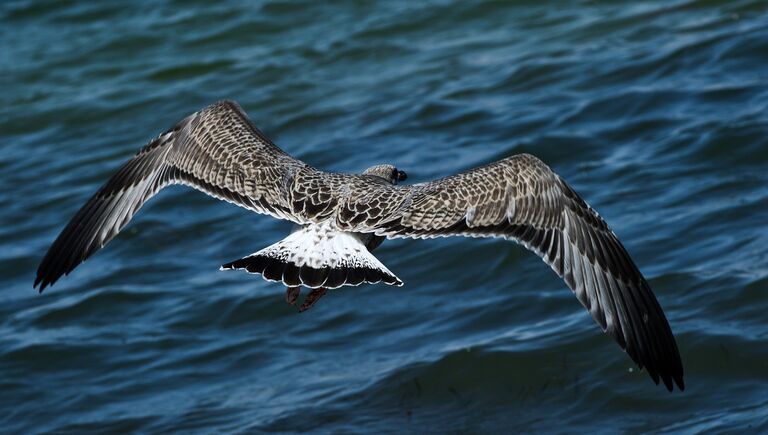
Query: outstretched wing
[[219, 152], [520, 198], [216, 150]]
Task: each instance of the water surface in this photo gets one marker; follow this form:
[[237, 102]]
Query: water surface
[[656, 113]]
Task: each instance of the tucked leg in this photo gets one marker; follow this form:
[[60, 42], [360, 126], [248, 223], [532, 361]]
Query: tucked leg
[[292, 294], [312, 298]]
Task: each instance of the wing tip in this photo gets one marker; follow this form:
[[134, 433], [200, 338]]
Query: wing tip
[[42, 281], [680, 382], [670, 381], [669, 376]]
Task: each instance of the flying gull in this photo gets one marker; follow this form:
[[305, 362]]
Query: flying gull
[[340, 218]]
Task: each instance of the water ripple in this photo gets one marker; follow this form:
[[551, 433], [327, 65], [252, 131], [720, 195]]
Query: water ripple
[[654, 112]]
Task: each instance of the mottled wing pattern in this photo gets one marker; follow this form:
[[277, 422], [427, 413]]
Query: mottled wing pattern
[[219, 152], [216, 150], [520, 198]]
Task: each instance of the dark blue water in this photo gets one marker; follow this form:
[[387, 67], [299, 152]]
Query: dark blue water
[[656, 113]]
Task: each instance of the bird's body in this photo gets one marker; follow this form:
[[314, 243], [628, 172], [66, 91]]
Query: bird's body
[[340, 218]]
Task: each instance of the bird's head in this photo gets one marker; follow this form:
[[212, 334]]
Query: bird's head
[[387, 172]]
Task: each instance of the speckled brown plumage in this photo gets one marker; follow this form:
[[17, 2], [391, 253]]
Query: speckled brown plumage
[[219, 152]]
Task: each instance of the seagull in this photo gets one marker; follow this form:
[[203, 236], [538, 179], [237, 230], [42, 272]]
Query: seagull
[[341, 218]]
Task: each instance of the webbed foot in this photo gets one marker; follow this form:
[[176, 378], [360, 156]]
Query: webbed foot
[[312, 298], [292, 295]]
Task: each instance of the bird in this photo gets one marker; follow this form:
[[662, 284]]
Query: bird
[[340, 218]]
